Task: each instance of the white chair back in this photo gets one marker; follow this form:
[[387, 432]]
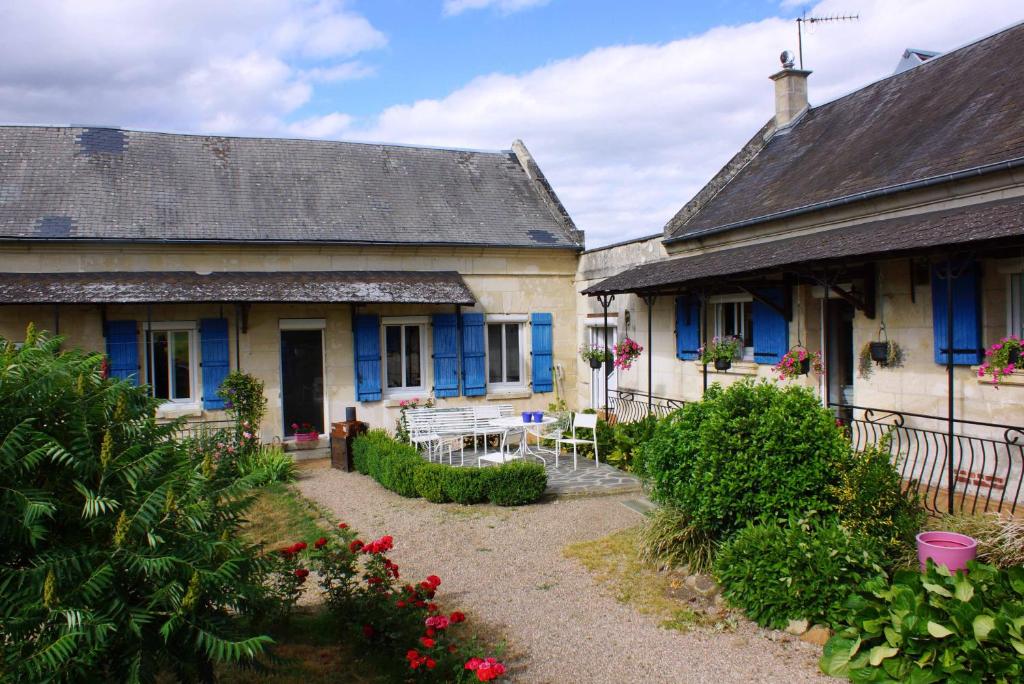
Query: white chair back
[[584, 420], [485, 414]]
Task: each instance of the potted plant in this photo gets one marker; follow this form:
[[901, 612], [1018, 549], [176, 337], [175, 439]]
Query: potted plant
[[721, 351], [626, 352], [1001, 359], [305, 432], [596, 355], [798, 361], [886, 354], [946, 548]]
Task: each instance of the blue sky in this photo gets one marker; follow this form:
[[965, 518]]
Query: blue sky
[[629, 107]]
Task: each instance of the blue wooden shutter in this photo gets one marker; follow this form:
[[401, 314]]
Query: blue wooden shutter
[[540, 349], [123, 350], [474, 377], [213, 345], [687, 328], [771, 330], [966, 315], [446, 360], [367, 352]]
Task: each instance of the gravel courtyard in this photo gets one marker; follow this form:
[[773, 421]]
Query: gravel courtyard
[[505, 568]]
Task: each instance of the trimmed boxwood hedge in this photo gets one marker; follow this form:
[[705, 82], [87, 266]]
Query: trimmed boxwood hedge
[[400, 468]]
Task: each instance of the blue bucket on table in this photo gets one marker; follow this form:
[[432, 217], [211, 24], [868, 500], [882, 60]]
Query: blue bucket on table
[[538, 416], [527, 416]]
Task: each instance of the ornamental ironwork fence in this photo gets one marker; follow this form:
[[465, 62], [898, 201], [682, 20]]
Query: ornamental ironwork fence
[[983, 460], [203, 428], [630, 406]]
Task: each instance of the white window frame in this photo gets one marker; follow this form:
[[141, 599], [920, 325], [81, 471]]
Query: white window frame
[[195, 389], [1015, 304], [519, 320], [719, 317], [425, 352]]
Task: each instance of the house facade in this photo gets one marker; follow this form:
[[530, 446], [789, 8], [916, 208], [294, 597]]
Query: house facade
[[340, 274], [894, 213]]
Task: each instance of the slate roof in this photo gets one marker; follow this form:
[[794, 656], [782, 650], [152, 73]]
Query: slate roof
[[407, 287], [955, 112], [999, 224], [67, 183]]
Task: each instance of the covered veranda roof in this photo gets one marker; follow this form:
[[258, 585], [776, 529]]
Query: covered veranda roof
[[402, 287], [999, 223]]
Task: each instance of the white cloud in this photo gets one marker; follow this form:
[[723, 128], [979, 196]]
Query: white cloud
[[232, 66], [454, 7], [628, 134]]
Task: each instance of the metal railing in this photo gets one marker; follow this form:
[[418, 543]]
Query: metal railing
[[987, 459], [630, 405], [202, 428]]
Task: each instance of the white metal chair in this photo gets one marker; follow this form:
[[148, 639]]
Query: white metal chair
[[580, 421], [482, 427], [502, 455]]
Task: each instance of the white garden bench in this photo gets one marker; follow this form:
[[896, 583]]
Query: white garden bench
[[435, 430]]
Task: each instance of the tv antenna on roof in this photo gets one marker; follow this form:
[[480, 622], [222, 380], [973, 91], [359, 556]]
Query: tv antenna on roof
[[804, 19]]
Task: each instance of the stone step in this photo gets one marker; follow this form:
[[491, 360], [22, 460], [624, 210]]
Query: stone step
[[641, 506]]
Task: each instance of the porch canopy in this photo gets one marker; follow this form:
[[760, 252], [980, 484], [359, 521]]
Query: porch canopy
[[243, 287], [987, 227]]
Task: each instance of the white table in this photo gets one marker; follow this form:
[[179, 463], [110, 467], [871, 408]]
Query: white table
[[516, 424]]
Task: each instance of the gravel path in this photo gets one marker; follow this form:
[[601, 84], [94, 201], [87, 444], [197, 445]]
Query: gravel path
[[505, 568]]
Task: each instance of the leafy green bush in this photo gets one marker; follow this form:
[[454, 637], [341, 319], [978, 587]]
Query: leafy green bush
[[870, 499], [400, 468], [121, 557], [467, 485], [267, 464], [430, 480], [754, 451], [627, 438], [516, 483], [803, 569], [933, 627], [670, 537]]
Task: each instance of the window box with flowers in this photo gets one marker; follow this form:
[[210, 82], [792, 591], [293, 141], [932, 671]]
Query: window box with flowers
[[721, 352], [595, 355], [305, 432], [1002, 359]]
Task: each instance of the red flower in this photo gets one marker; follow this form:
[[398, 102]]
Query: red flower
[[373, 580], [434, 581], [486, 670], [287, 552], [342, 526], [299, 546], [457, 617], [401, 603], [368, 631], [427, 642], [473, 664], [355, 546], [320, 543], [412, 654], [431, 607], [301, 573], [431, 631], [430, 663]]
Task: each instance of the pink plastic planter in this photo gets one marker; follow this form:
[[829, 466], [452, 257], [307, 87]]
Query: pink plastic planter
[[946, 548]]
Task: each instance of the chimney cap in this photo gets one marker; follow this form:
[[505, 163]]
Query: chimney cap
[[787, 59]]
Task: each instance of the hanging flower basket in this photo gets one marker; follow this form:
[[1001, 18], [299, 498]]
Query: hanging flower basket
[[798, 361], [723, 364], [721, 352], [879, 352], [595, 355], [626, 352], [1001, 359]]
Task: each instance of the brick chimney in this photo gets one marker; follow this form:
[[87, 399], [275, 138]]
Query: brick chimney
[[790, 91]]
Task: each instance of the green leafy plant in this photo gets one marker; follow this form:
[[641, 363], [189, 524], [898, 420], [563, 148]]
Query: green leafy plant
[[933, 627], [805, 568], [626, 439], [466, 485], [244, 401], [430, 482], [670, 537], [754, 451], [516, 483], [725, 348], [872, 500], [121, 557], [893, 358], [267, 464]]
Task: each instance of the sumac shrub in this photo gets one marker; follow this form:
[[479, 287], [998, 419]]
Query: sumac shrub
[[120, 558], [802, 569], [752, 451]]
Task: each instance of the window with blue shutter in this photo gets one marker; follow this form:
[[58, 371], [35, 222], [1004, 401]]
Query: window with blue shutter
[[541, 351], [474, 378], [367, 353], [215, 362], [771, 330], [967, 345], [123, 350], [446, 355], [687, 328]]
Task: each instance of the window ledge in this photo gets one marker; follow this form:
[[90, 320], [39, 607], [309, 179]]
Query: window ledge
[[738, 368], [179, 410], [396, 401], [501, 395], [1015, 380]]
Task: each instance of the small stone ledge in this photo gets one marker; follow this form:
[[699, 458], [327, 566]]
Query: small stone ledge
[[738, 368], [510, 394]]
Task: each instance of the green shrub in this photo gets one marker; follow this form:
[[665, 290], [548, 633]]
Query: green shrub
[[516, 483], [266, 465], [933, 627], [430, 480], [627, 439], [803, 569], [388, 461], [121, 556], [467, 485], [669, 537], [754, 451], [870, 500]]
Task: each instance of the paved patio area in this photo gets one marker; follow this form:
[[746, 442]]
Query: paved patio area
[[589, 478]]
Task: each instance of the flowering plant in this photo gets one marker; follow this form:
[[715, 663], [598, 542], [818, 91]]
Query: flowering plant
[[626, 352], [360, 584], [798, 361], [304, 429], [595, 353], [725, 348], [1001, 359], [402, 425]]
